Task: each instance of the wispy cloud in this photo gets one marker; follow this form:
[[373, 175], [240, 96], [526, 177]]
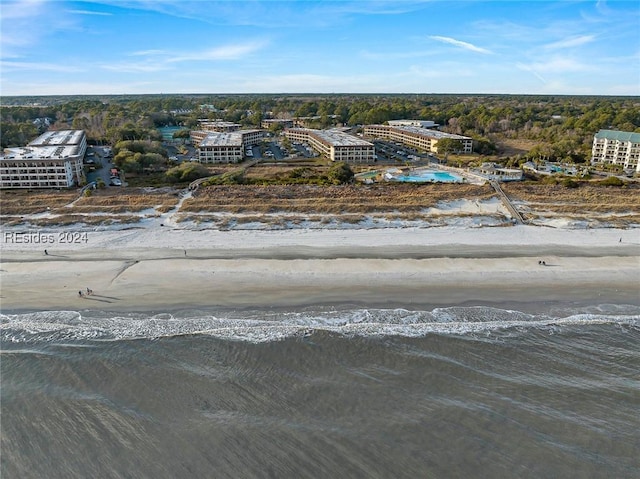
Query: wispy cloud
[[369, 55], [232, 51], [35, 66], [461, 44], [145, 53], [570, 42], [560, 65], [163, 60], [89, 12], [19, 25], [530, 69], [554, 66], [135, 67]]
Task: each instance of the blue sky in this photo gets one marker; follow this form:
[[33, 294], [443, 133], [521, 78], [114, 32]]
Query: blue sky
[[56, 47]]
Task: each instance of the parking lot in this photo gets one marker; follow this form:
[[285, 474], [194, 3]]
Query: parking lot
[[394, 153]]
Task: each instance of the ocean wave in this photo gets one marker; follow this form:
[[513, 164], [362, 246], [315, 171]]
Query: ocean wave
[[261, 326]]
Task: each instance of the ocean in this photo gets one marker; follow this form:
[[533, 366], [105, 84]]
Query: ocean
[[335, 392]]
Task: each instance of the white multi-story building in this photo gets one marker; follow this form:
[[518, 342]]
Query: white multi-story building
[[227, 147], [417, 137], [53, 160], [617, 148], [334, 144]]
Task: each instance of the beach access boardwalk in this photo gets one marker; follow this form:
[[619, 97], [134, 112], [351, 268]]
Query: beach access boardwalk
[[515, 214]]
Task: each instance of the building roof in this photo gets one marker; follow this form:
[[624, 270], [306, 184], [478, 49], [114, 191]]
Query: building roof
[[59, 138], [51, 145], [419, 123], [335, 137], [436, 134], [233, 138], [618, 135]]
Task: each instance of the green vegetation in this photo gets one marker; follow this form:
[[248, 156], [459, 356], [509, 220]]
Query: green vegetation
[[449, 145], [340, 174], [508, 129], [611, 181], [134, 156], [186, 172], [336, 174]]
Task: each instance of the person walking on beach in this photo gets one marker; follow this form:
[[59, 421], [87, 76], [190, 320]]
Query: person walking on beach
[[80, 293], [46, 253], [89, 291]]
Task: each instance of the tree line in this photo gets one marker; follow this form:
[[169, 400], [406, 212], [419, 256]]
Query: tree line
[[561, 127]]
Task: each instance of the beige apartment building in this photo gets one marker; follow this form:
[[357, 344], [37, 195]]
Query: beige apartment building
[[617, 148], [417, 137], [226, 147], [53, 160], [219, 126], [276, 121], [334, 144]]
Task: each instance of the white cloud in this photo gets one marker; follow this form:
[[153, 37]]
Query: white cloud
[[145, 53], [461, 44], [163, 60], [34, 66], [530, 69], [571, 42], [26, 23], [369, 55], [89, 12], [442, 70], [72, 88], [224, 52], [22, 10], [134, 67], [560, 65]]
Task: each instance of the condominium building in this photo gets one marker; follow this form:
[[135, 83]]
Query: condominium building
[[276, 121], [418, 123], [218, 125], [334, 144], [226, 147], [53, 160], [417, 137], [617, 148]]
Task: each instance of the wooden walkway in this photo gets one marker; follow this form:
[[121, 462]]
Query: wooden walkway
[[515, 214]]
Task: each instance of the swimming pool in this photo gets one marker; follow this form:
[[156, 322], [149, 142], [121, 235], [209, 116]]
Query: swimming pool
[[429, 176], [168, 131]]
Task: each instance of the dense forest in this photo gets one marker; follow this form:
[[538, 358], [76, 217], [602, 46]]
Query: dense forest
[[552, 127]]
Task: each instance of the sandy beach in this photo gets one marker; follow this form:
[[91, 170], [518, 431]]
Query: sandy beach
[[164, 269]]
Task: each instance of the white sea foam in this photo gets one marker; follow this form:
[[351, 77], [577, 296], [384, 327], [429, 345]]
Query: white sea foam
[[57, 326]]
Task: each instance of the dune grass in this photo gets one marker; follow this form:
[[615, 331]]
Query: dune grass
[[329, 199], [27, 202]]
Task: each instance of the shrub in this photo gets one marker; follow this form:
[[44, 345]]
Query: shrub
[[340, 173], [186, 172], [570, 183], [611, 181]]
